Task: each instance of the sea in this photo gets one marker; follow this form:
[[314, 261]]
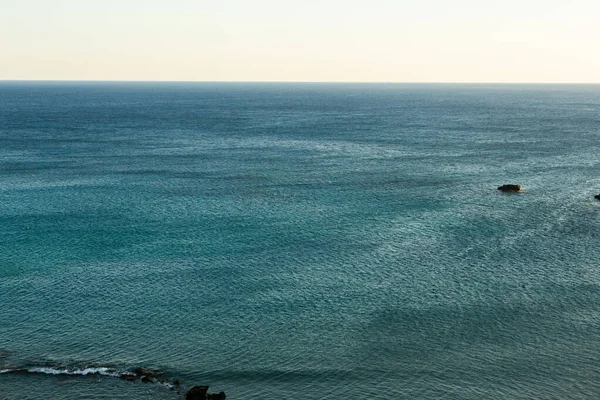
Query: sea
[[299, 240]]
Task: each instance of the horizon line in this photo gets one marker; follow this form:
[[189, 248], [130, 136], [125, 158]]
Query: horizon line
[[303, 82]]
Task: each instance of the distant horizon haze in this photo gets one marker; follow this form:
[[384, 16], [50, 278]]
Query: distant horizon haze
[[296, 82], [402, 41]]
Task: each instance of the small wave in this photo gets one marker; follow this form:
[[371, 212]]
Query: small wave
[[168, 385], [105, 371], [145, 375]]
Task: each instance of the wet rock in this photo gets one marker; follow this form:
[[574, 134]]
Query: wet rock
[[145, 375], [597, 197], [200, 393], [147, 372], [510, 188], [217, 396], [129, 377], [196, 393]]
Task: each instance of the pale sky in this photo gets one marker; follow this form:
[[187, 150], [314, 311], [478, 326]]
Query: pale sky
[[326, 40]]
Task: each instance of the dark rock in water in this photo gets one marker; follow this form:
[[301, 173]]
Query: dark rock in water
[[145, 375], [217, 396], [199, 393], [196, 393], [510, 188], [147, 372], [597, 197]]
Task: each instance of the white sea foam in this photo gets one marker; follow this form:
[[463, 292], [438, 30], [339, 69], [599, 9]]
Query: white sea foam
[[85, 371], [168, 385]]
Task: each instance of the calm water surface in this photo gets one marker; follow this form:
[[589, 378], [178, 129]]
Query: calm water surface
[[287, 241]]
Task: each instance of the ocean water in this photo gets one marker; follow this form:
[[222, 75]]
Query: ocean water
[[300, 241]]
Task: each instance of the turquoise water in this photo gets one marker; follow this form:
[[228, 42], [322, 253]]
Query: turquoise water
[[287, 241]]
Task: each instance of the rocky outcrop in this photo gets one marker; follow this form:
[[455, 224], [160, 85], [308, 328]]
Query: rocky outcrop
[[147, 375], [510, 188], [151, 373], [196, 393], [200, 393]]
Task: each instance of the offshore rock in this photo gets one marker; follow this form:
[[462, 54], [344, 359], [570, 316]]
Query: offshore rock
[[196, 393], [147, 372], [200, 393], [510, 188], [597, 197], [145, 375]]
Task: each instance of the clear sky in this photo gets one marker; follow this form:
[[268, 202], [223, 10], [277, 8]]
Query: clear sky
[[304, 40]]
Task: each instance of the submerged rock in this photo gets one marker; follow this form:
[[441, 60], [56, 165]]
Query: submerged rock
[[129, 377], [147, 372], [145, 375], [510, 188]]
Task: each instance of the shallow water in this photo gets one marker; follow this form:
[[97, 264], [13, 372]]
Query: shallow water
[[301, 240]]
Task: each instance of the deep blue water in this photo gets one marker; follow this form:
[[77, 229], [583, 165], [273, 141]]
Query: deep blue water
[[287, 241]]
